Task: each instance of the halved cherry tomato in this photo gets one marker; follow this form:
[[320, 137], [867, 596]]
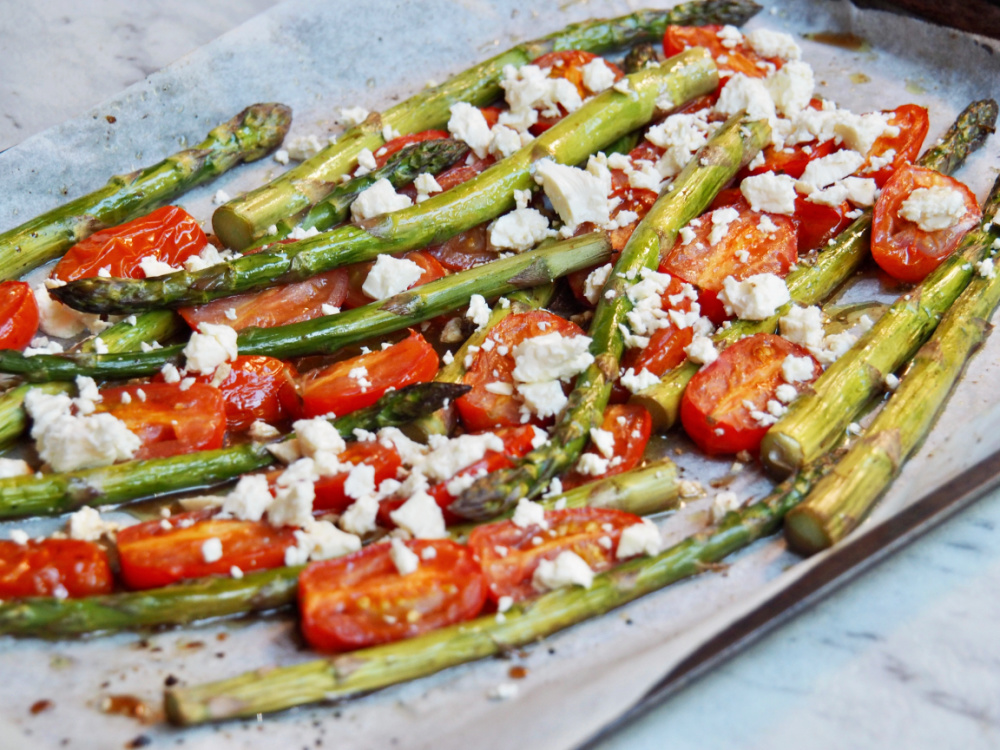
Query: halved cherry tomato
[[665, 349], [398, 144], [330, 495], [169, 234], [631, 426], [168, 420], [357, 273], [256, 387], [819, 223], [790, 160], [479, 408], [739, 59], [466, 249], [335, 390], [567, 64], [706, 265], [53, 567], [362, 600], [161, 552], [899, 246], [18, 315], [913, 123], [282, 305], [516, 442], [714, 408], [509, 555]]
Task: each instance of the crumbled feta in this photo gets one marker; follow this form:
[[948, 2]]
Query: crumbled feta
[[152, 267], [639, 539], [19, 536], [701, 350], [293, 502], [604, 441], [351, 116], [934, 208], [320, 540], [576, 195], [860, 132], [742, 93], [721, 219], [551, 356], [505, 141], [405, 559], [528, 514], [211, 550], [61, 321], [304, 147], [680, 136], [425, 185], [803, 326], [827, 170], [545, 399], [250, 499], [729, 36], [479, 311], [595, 282], [86, 524], [791, 88], [318, 435], [860, 191], [210, 346], [520, 229], [797, 369], [767, 43], [592, 465], [281, 156], [638, 381], [770, 192], [209, 256], [985, 268], [504, 691], [220, 197], [786, 393], [360, 517], [529, 92], [766, 225], [723, 503], [421, 516], [13, 467], [170, 373], [366, 162], [756, 297], [568, 569], [390, 276], [597, 76], [377, 200], [468, 124], [298, 233]]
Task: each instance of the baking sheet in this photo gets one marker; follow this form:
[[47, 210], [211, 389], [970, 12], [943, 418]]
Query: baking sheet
[[319, 58]]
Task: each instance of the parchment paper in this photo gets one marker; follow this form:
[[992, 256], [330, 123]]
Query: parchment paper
[[317, 58]]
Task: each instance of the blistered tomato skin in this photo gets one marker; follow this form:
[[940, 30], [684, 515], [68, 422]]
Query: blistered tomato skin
[[53, 567], [18, 315], [630, 426]]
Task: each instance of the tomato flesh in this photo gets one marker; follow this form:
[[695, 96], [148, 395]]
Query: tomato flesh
[[362, 600], [169, 421], [481, 409], [899, 246], [18, 315], [714, 409], [161, 552], [330, 495], [567, 64], [466, 249], [53, 567], [335, 390], [738, 59], [630, 425], [509, 555], [665, 349], [913, 124], [169, 234]]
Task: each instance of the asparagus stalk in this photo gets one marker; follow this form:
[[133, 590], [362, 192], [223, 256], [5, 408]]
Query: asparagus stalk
[[329, 333], [52, 494], [251, 134], [370, 669], [441, 422], [732, 146], [811, 284], [839, 501], [597, 123], [817, 420], [401, 169], [247, 218], [127, 335], [644, 491]]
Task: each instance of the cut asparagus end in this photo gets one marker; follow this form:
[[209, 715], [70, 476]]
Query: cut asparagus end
[[806, 531], [781, 455]]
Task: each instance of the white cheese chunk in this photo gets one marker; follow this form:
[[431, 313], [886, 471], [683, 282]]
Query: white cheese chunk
[[479, 311], [803, 326], [576, 195], [723, 503], [551, 356], [390, 276], [797, 369], [351, 116], [13, 467], [770, 192], [211, 550], [545, 399], [568, 569], [379, 199], [519, 230], [742, 93], [827, 170], [87, 525], [468, 124], [317, 435], [597, 76], [250, 499], [152, 267], [421, 516], [595, 282], [405, 559], [701, 351], [528, 513], [638, 381], [791, 88], [934, 208], [210, 346], [639, 539], [756, 297], [767, 43]]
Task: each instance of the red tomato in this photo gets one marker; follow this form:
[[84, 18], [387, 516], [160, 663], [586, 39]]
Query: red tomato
[[899, 246], [398, 144], [169, 234], [791, 160], [739, 59], [358, 272], [362, 600], [568, 64], [714, 408], [631, 427], [665, 349], [334, 390], [819, 223], [281, 305], [18, 315], [169, 421], [53, 567], [913, 124], [466, 249], [257, 387], [706, 265], [463, 171], [508, 554], [330, 495], [479, 408], [516, 441], [158, 553]]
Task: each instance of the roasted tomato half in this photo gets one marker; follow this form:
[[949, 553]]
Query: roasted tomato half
[[53, 567], [18, 315], [629, 427]]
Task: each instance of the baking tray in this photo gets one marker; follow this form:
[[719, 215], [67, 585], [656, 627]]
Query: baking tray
[[318, 58]]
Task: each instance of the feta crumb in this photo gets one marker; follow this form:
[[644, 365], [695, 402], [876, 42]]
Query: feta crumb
[[221, 197], [351, 116], [13, 467], [317, 435], [87, 525], [390, 276], [891, 382], [791, 88], [152, 267], [421, 516], [380, 198], [211, 550], [639, 539], [604, 441], [170, 373], [797, 369], [595, 283], [747, 94], [281, 156], [934, 208], [576, 195], [479, 311], [597, 76], [504, 691], [803, 326], [19, 536], [520, 229], [468, 124], [590, 464], [210, 346], [724, 503], [755, 298], [770, 192], [767, 43], [568, 569], [249, 500], [819, 173], [640, 381], [528, 514], [405, 559], [425, 185]]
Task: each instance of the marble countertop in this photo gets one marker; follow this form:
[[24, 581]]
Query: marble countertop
[[906, 656]]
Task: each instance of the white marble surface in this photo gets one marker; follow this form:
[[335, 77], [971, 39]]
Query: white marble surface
[[906, 657]]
